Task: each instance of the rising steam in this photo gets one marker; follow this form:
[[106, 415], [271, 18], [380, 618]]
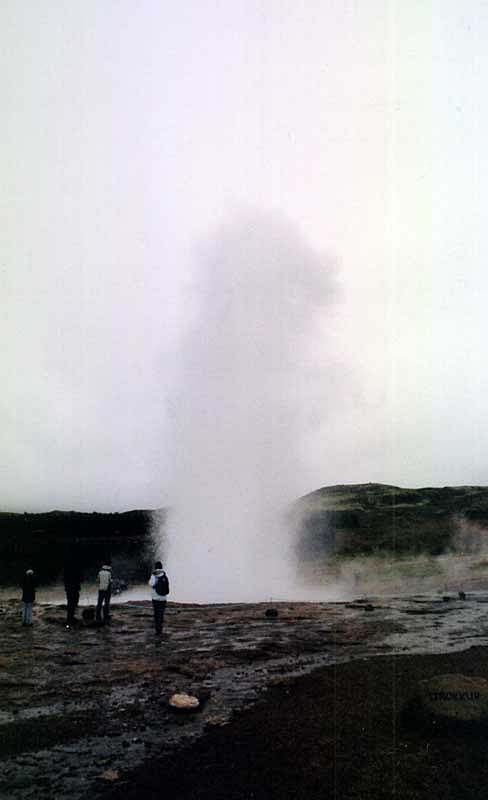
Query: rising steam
[[239, 411]]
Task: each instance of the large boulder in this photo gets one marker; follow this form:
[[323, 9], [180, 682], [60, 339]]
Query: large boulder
[[454, 698]]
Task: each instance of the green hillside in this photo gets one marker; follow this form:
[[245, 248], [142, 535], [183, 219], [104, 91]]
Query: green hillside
[[376, 518]]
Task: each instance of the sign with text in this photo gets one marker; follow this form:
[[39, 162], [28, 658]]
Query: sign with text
[[456, 697]]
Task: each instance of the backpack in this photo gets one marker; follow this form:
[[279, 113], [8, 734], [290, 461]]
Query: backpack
[[162, 584]]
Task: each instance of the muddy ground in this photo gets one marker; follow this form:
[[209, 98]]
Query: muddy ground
[[293, 705]]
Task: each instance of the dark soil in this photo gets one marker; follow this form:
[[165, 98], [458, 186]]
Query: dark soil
[[337, 733]]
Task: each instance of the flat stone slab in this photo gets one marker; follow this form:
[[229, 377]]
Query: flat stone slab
[[455, 697]]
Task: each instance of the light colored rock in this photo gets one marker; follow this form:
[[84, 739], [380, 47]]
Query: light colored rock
[[217, 720], [110, 775], [184, 702], [455, 697]]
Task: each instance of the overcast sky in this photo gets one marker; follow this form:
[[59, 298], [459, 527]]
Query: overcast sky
[[134, 133]]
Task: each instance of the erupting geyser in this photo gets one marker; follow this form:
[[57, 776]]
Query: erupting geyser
[[238, 413]]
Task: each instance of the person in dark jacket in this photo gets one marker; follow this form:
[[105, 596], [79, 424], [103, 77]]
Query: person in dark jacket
[[72, 587], [159, 581], [29, 585]]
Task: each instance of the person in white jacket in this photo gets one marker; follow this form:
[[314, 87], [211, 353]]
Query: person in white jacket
[[104, 593], [160, 589]]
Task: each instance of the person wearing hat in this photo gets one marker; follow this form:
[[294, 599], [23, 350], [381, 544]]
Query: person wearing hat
[[104, 593], [160, 589], [29, 585]]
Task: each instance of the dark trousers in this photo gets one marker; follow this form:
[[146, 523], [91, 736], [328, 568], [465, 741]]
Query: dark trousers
[[159, 609], [103, 600], [72, 599]]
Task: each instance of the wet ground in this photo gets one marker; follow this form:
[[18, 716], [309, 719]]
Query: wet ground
[[81, 710]]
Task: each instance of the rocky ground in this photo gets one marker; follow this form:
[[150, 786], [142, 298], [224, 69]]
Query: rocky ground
[[291, 701]]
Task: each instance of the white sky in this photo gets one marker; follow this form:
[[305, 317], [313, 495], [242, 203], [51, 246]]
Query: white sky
[[132, 130]]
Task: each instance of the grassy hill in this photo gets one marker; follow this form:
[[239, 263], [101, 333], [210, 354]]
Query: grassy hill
[[373, 518]]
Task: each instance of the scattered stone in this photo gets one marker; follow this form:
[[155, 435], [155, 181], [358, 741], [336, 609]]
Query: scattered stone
[[110, 775], [217, 721], [183, 702]]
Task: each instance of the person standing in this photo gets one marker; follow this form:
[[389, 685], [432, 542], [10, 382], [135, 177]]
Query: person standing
[[160, 589], [29, 585], [104, 593], [72, 587]]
